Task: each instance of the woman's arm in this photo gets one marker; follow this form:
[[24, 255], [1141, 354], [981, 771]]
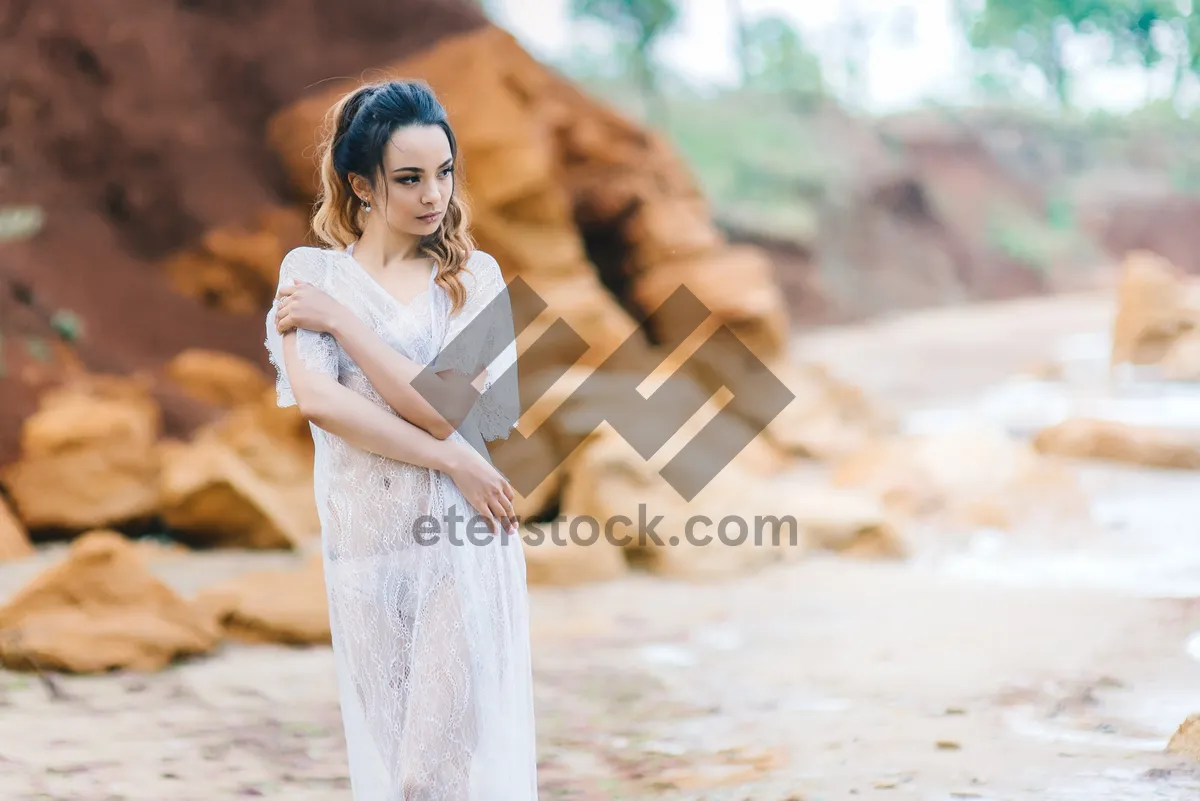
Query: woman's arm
[[438, 403], [347, 414], [435, 402]]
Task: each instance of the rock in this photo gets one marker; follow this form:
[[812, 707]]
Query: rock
[[844, 521], [1119, 442], [735, 283], [100, 609], [1156, 305], [747, 517], [214, 498], [88, 456], [14, 540], [236, 267], [591, 313], [1186, 739], [221, 379], [827, 419], [565, 551], [245, 481], [961, 476], [279, 606], [575, 405], [1181, 362]]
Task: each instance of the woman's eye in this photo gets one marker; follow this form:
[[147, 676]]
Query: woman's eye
[[447, 171]]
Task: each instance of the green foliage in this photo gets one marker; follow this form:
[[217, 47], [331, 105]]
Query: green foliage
[[1036, 31], [23, 222], [778, 62], [1042, 245], [642, 21], [66, 325], [641, 24]]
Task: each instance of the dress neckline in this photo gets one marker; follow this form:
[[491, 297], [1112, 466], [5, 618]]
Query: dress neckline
[[349, 253]]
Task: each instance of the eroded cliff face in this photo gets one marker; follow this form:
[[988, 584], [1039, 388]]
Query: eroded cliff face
[[138, 126]]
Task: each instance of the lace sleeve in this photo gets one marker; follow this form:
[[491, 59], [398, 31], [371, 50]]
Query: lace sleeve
[[481, 335], [318, 352]]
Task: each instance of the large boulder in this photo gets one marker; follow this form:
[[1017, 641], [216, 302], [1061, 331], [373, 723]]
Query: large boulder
[[89, 456], [100, 609]]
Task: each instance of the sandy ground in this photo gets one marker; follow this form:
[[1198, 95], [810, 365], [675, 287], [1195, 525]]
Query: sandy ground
[[989, 667]]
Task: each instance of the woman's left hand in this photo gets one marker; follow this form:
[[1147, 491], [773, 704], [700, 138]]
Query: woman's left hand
[[302, 305]]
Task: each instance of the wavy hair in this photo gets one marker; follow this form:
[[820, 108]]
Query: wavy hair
[[357, 128]]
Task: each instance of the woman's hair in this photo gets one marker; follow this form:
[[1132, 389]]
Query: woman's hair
[[357, 128]]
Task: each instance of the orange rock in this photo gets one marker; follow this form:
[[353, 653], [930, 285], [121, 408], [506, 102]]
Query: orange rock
[[236, 267], [561, 552], [245, 481], [737, 286], [256, 249], [1120, 442], [1156, 305], [965, 475], [221, 379], [88, 456], [14, 541], [1186, 740], [215, 498], [217, 283], [583, 303], [280, 606], [1181, 362], [523, 247], [100, 609], [671, 229]]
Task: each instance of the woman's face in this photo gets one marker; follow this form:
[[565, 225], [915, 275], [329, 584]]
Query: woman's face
[[418, 178]]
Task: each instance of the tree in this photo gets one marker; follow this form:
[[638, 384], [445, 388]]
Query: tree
[[737, 16], [641, 24], [1131, 25], [1036, 31], [778, 62]]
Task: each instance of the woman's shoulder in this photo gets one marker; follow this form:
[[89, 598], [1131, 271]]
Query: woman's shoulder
[[483, 267], [308, 261]]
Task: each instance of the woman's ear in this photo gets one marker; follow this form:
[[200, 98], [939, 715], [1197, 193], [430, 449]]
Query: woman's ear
[[361, 187]]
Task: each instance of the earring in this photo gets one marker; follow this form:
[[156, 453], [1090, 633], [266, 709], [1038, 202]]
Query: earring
[[367, 206]]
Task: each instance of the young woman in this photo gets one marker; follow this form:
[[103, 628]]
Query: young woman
[[384, 340]]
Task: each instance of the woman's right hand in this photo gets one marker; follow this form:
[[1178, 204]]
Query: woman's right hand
[[483, 487]]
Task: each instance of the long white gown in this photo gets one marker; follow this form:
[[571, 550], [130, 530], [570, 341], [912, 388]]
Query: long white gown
[[431, 641]]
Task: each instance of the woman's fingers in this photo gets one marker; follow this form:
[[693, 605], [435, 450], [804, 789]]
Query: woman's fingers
[[510, 512], [494, 523]]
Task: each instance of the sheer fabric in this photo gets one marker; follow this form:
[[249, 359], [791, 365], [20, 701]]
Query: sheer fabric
[[431, 639]]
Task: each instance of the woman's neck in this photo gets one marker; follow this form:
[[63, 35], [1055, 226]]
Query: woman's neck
[[383, 248]]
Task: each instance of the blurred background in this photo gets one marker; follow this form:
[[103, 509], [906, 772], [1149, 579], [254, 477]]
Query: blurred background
[[961, 232]]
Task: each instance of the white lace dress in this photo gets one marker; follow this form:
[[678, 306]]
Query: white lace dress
[[431, 641]]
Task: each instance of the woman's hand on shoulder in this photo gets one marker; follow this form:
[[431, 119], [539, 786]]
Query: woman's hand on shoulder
[[303, 305]]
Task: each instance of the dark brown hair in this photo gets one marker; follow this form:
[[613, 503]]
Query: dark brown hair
[[357, 128]]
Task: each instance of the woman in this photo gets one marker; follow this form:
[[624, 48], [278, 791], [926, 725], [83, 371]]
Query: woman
[[384, 341]]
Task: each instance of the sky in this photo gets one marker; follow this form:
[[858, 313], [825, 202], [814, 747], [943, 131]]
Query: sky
[[899, 74]]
